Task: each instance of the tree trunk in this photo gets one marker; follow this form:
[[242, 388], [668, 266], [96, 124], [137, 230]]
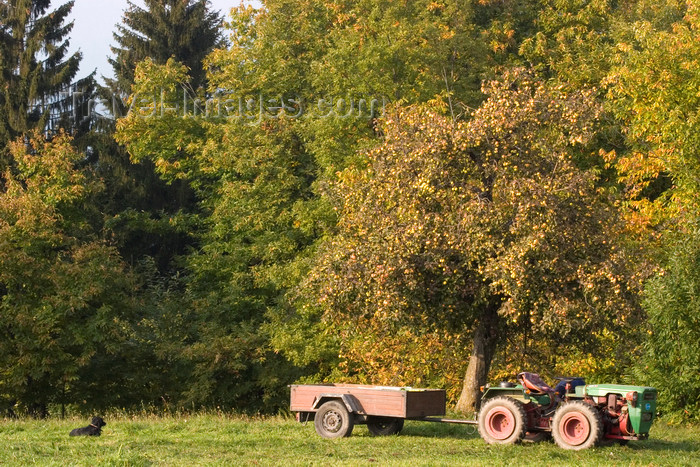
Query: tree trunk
[[484, 346]]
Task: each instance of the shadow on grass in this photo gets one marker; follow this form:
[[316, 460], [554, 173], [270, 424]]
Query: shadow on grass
[[469, 432], [665, 445], [439, 430]]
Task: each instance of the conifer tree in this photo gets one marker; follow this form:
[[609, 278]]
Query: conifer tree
[[34, 62], [143, 205], [185, 30]]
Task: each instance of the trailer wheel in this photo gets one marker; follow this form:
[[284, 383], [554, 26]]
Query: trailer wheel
[[384, 426], [333, 420], [502, 421], [577, 425]]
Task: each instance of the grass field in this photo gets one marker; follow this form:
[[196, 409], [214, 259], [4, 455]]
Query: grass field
[[222, 440]]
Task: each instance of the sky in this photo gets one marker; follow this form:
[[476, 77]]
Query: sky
[[95, 22]]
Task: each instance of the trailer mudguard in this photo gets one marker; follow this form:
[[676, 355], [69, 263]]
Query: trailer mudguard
[[348, 400]]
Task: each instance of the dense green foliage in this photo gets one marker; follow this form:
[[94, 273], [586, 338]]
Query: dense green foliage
[[65, 291], [143, 205], [261, 175], [435, 192], [672, 354]]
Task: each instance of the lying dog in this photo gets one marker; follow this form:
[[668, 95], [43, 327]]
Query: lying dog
[[93, 429]]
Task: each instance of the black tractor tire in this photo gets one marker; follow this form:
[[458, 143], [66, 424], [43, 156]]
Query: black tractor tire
[[333, 420], [502, 420], [384, 426], [577, 425]]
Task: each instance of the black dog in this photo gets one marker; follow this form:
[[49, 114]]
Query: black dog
[[93, 429]]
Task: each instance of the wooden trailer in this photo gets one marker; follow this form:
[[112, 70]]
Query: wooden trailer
[[337, 408]]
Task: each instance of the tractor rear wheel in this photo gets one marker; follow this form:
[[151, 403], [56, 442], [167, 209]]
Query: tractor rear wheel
[[577, 425], [502, 421]]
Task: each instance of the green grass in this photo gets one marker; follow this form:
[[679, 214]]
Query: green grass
[[221, 440]]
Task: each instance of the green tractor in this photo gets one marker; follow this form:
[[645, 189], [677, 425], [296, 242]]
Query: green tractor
[[576, 415]]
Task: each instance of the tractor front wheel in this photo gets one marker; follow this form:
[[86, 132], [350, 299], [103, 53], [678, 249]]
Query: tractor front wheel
[[577, 425], [502, 421]]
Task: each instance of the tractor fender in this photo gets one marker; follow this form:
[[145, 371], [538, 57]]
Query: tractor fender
[[515, 393], [348, 400]]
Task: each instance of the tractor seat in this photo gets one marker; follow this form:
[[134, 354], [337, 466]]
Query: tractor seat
[[534, 383]]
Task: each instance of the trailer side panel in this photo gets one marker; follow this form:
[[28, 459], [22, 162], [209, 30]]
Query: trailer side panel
[[383, 401]]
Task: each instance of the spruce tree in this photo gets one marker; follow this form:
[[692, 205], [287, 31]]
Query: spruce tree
[[34, 62], [186, 30], [143, 206], [151, 221]]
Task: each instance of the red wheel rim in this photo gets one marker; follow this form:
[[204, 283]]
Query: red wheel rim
[[500, 423], [575, 428]]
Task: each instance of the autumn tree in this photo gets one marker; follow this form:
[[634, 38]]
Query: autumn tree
[[65, 294], [34, 62], [574, 40], [330, 57], [263, 170], [477, 228], [653, 92]]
